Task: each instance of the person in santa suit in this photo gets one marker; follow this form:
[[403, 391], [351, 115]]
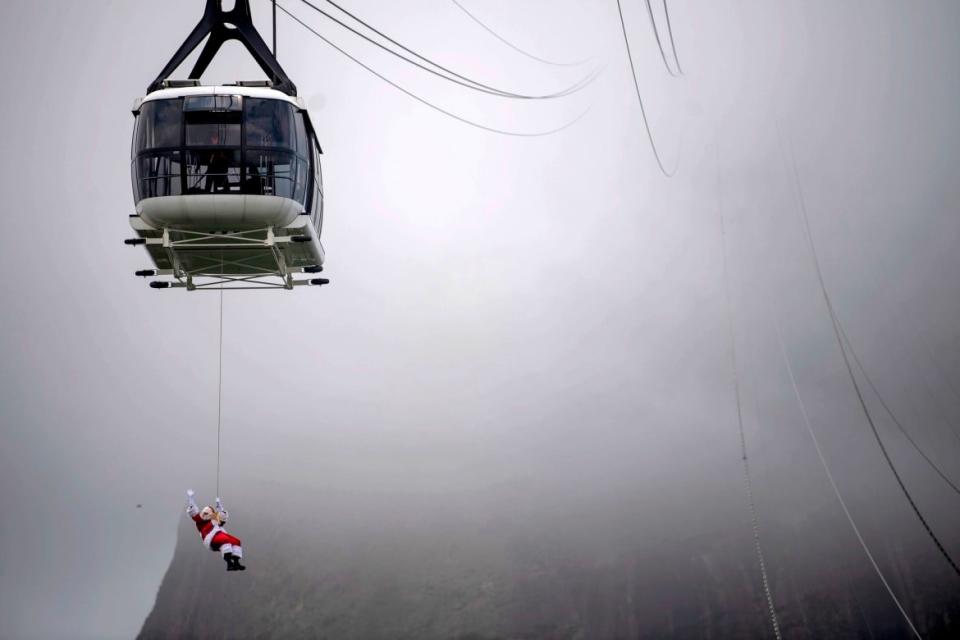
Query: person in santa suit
[[210, 521]]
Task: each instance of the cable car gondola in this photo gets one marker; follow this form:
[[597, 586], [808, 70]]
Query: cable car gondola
[[226, 179]]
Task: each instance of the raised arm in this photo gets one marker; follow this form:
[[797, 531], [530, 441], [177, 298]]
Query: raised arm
[[221, 511], [192, 508]]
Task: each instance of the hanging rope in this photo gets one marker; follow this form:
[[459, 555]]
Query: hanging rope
[[754, 520], [219, 388]]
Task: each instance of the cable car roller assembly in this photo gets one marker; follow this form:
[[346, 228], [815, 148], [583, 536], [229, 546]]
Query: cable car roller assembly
[[226, 178]]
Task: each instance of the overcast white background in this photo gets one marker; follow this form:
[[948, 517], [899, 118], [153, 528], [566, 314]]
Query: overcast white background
[[500, 307]]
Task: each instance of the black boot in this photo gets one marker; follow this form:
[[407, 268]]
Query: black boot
[[230, 558], [236, 564]]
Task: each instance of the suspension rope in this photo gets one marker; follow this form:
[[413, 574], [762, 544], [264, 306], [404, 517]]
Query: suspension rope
[[643, 110], [748, 483], [448, 74], [513, 46], [835, 323], [833, 484], [656, 35], [893, 416], [427, 103], [219, 388]]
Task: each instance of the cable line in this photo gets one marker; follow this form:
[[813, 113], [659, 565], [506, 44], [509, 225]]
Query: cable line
[[833, 484], [219, 388], [656, 35], [890, 413], [453, 76], [643, 110], [426, 102], [673, 44], [274, 28], [853, 380], [513, 46], [754, 519], [907, 319]]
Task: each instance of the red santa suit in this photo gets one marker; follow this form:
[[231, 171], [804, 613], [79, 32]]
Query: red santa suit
[[212, 533]]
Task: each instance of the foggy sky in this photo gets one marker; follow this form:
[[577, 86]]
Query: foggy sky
[[545, 310]]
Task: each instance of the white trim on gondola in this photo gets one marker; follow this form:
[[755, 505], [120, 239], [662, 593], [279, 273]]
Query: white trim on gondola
[[224, 90]]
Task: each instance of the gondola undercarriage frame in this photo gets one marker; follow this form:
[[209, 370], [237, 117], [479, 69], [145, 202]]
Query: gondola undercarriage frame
[[262, 258]]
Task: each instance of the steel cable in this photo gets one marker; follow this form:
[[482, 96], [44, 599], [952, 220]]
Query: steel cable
[[673, 43], [453, 76], [656, 35], [833, 484], [426, 102], [853, 380], [274, 12], [893, 416], [643, 110], [754, 519], [513, 46]]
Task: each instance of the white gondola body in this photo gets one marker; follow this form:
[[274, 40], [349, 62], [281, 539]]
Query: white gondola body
[[227, 184]]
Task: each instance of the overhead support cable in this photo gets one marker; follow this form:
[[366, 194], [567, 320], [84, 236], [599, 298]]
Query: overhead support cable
[[835, 323], [426, 102], [515, 47], [908, 319], [643, 110], [893, 416], [748, 482], [673, 43], [439, 70], [833, 483], [656, 35]]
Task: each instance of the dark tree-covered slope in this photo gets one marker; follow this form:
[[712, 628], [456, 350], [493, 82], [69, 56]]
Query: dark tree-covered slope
[[509, 564]]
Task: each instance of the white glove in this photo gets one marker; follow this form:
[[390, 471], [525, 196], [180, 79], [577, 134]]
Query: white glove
[[223, 512], [192, 508]]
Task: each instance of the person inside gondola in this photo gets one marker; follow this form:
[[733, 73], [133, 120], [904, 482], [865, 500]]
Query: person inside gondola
[[218, 164], [210, 521], [254, 183]]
